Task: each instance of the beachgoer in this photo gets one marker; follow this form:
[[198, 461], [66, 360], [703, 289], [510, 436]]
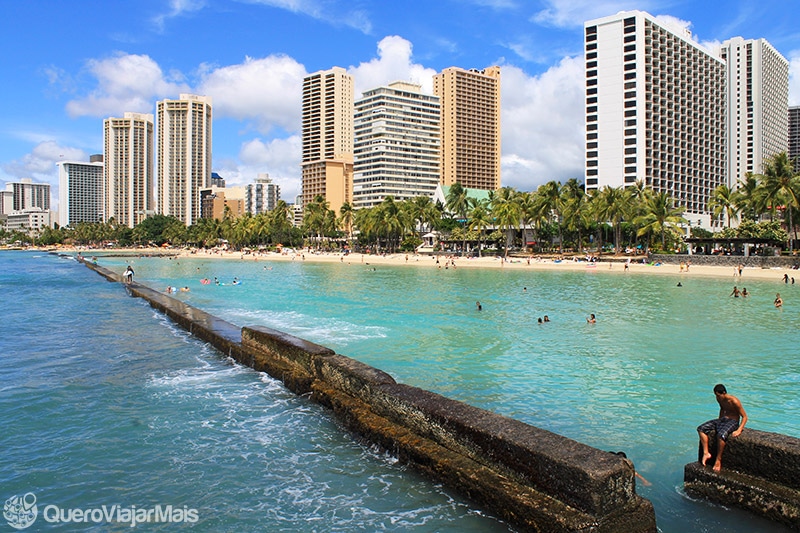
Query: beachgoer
[[745, 294], [591, 319], [735, 292], [786, 278], [128, 275], [478, 306], [730, 423], [624, 456], [541, 321], [741, 267], [679, 284], [778, 301], [546, 318]]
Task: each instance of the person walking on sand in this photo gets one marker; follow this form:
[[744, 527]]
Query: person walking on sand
[[730, 423]]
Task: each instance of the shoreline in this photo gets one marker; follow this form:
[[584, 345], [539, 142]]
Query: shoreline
[[607, 264]]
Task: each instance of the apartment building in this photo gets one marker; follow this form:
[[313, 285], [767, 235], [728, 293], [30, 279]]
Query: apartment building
[[80, 191], [396, 146], [183, 146], [327, 137], [794, 136], [470, 126], [128, 175], [655, 111]]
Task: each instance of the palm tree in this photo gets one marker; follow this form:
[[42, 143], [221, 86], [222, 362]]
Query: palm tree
[[316, 217], [458, 205], [551, 205], [611, 206], [346, 219], [749, 198], [660, 216], [480, 218], [781, 187], [723, 201], [507, 212]]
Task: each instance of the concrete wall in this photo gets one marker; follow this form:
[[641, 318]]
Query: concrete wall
[[532, 478], [760, 473]]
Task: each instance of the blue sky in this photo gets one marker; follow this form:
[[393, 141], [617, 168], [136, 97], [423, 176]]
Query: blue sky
[[68, 65]]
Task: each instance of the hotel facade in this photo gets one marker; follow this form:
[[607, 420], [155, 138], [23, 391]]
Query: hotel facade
[[470, 127], [655, 111], [80, 191], [396, 147], [327, 137], [758, 104], [128, 154], [183, 147]]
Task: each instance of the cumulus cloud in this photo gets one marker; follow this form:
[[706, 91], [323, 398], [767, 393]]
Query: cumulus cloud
[[40, 165], [177, 8], [266, 91], [278, 157], [542, 125], [125, 82], [394, 63]]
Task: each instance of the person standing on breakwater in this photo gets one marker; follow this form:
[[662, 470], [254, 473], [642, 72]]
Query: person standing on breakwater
[[128, 275], [730, 423]]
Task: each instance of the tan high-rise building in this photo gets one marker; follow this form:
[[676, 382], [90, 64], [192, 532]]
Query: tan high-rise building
[[128, 174], [327, 131], [470, 126], [184, 155]]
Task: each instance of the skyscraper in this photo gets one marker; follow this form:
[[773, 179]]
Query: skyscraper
[[758, 103], [327, 133], [655, 111], [25, 194], [80, 191], [184, 155], [794, 136], [396, 150], [470, 126], [128, 147]]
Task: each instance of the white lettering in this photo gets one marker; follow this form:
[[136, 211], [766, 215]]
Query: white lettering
[[50, 514]]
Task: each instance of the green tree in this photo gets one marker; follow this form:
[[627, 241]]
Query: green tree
[[660, 216], [781, 188], [723, 202]]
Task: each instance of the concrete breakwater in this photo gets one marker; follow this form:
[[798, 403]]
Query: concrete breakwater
[[760, 473], [532, 478]]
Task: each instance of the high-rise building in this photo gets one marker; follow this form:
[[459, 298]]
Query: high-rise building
[[655, 111], [327, 133], [184, 155], [261, 196], [128, 153], [396, 146], [80, 192], [758, 103], [25, 194], [794, 136], [470, 126]]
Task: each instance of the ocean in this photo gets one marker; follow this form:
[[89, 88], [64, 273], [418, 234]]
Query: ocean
[[107, 403]]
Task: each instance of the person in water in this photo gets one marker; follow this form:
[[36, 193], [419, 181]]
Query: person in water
[[478, 306], [591, 319]]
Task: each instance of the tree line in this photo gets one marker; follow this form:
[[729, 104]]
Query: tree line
[[554, 218]]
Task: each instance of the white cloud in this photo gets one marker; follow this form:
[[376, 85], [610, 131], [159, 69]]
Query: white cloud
[[323, 11], [266, 91], [794, 78], [393, 63], [278, 157], [177, 8], [542, 124], [125, 82], [40, 165]]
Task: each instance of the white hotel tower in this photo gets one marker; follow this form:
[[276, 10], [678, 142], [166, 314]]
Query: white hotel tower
[[758, 104], [396, 150], [655, 111]]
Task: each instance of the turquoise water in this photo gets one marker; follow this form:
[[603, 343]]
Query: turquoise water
[[639, 380], [105, 402]]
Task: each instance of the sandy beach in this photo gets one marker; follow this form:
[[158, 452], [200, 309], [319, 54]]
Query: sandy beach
[[606, 264]]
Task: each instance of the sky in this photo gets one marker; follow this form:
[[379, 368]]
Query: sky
[[66, 66]]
